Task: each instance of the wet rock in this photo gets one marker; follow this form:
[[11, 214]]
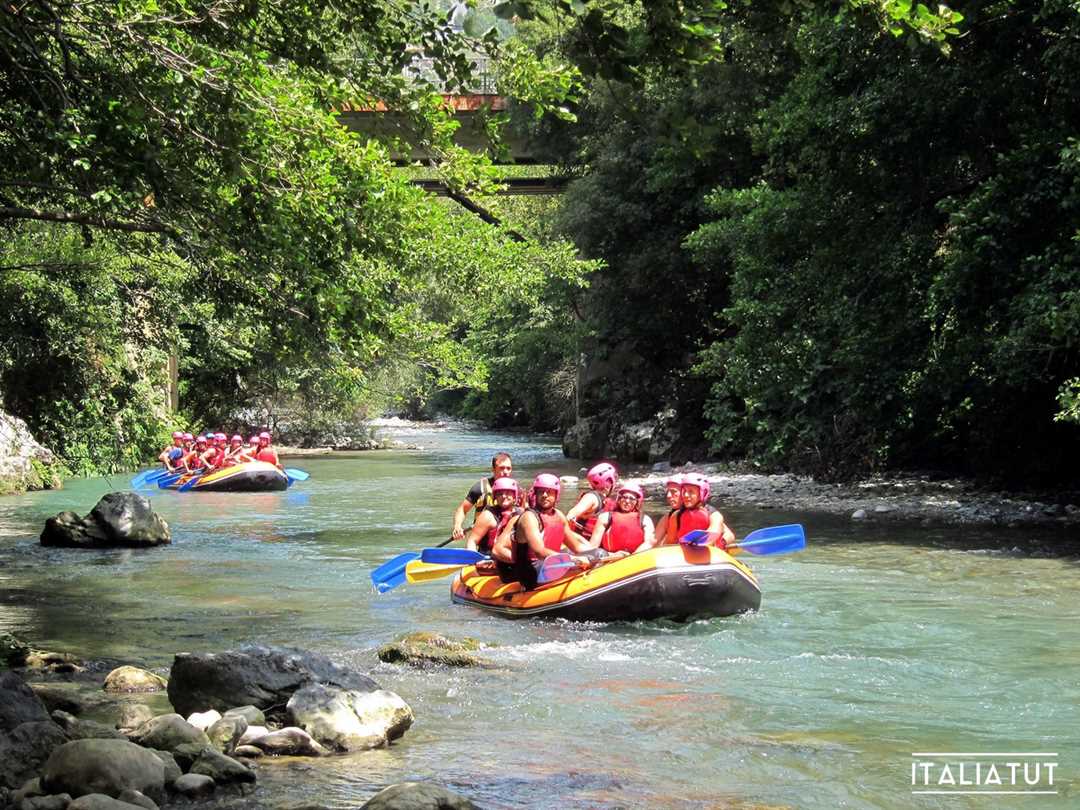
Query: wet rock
[[25, 748], [167, 732], [247, 752], [60, 698], [120, 519], [858, 514], [417, 796], [133, 715], [138, 799], [424, 649], [172, 768], [225, 734], [252, 733], [203, 720], [103, 766], [100, 801], [256, 676], [289, 741], [253, 715], [195, 785], [30, 789], [56, 802], [221, 768], [133, 679], [54, 662], [18, 703], [349, 720], [13, 651], [77, 729], [24, 463]]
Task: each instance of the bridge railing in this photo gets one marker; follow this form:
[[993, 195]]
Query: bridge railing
[[483, 82]]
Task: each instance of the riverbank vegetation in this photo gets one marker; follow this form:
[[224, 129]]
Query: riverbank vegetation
[[828, 237]]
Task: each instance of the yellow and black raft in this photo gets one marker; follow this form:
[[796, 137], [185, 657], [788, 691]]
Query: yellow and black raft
[[679, 582], [251, 476]]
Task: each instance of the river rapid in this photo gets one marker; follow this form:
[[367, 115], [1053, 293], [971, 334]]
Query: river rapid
[[875, 643]]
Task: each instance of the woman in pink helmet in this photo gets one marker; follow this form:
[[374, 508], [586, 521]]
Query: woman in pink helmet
[[540, 531], [598, 499], [625, 529], [172, 456], [673, 496], [696, 513], [493, 519]]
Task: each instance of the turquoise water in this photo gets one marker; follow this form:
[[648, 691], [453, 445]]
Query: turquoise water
[[877, 642]]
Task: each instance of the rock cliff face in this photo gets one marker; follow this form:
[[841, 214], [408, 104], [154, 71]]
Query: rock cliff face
[[24, 464]]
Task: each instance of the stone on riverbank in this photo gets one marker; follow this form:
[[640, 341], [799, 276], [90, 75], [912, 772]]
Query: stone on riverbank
[[77, 729], [58, 697], [120, 519], [168, 732], [132, 679], [221, 768], [225, 734], [252, 715], [59, 802], [13, 651], [25, 748], [256, 676], [103, 766], [349, 720], [18, 703], [133, 715], [24, 464], [203, 720], [194, 785], [289, 742], [425, 649], [417, 796], [100, 801]]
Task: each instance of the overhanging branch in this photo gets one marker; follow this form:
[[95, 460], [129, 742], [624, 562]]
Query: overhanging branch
[[92, 220]]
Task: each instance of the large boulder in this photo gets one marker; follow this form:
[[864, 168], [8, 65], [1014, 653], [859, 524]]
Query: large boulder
[[25, 748], [348, 719], [257, 676], [417, 796], [133, 679], [167, 732], [24, 464], [122, 519], [18, 703], [103, 766]]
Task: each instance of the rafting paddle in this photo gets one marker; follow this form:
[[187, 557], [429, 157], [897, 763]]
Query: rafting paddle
[[294, 474], [392, 572], [451, 556], [184, 487], [770, 540], [420, 571]]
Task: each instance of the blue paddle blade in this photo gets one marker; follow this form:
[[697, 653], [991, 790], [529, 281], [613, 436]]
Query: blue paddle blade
[[385, 585], [392, 568], [451, 556], [296, 475], [775, 540], [184, 487], [698, 537], [555, 567], [166, 481]]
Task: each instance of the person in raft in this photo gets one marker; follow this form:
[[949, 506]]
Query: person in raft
[[266, 451], [480, 495], [493, 519], [625, 529], [539, 532], [236, 454], [673, 496], [583, 514], [193, 461], [696, 513], [214, 454], [172, 457]]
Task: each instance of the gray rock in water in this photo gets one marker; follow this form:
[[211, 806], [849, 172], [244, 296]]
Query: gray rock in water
[[256, 676], [133, 679], [18, 703], [347, 719], [56, 802], [25, 748], [221, 768], [136, 798], [100, 801], [425, 649], [133, 715], [122, 519], [204, 720], [172, 768], [225, 734], [77, 729], [103, 766], [13, 651], [59, 697], [195, 785], [254, 716], [417, 796], [167, 732], [858, 514], [289, 741], [247, 752]]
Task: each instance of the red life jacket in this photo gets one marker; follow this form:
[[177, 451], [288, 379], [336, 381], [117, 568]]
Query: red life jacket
[[487, 542], [553, 529], [584, 524], [687, 520], [267, 454], [625, 532]]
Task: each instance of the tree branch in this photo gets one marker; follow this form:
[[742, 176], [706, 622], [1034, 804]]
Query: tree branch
[[93, 220]]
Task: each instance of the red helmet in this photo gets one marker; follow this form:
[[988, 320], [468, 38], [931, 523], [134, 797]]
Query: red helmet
[[237, 438], [548, 481], [505, 485], [699, 481], [602, 476]]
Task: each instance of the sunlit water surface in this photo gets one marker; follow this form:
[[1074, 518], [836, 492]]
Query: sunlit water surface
[[874, 643]]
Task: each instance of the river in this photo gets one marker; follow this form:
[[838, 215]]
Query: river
[[876, 643]]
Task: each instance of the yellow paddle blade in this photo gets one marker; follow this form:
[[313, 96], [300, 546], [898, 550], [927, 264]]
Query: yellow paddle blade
[[419, 571]]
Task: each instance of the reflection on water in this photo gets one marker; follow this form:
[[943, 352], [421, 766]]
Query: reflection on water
[[878, 641]]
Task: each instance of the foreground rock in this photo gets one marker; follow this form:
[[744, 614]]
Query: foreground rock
[[120, 519], [424, 649], [417, 796], [24, 749], [252, 676], [18, 703], [167, 733], [103, 766], [349, 720]]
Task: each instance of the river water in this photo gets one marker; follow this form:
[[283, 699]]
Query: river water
[[876, 643]]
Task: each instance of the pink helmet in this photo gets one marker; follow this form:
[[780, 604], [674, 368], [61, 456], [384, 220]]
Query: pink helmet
[[634, 490], [253, 440], [200, 440], [236, 439], [548, 481], [602, 476], [188, 437], [219, 437], [673, 481], [505, 485], [264, 435], [699, 481]]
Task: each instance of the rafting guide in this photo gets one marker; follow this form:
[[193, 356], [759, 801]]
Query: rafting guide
[[967, 773]]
